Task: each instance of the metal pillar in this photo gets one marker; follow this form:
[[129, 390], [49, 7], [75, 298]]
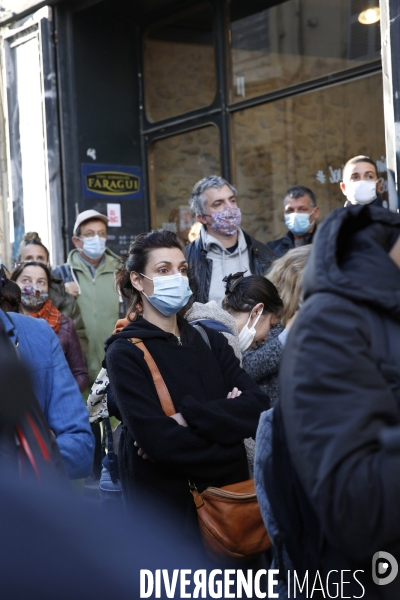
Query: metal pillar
[[390, 30]]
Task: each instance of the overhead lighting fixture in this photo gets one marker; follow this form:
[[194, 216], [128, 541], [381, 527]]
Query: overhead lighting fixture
[[370, 16]]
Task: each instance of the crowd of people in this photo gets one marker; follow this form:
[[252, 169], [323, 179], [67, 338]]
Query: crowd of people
[[228, 359]]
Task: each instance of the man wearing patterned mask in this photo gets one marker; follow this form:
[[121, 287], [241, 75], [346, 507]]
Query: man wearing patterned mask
[[222, 247], [300, 212], [361, 184]]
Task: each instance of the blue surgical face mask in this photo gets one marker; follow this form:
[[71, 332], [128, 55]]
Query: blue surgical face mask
[[298, 223], [171, 293], [94, 247]]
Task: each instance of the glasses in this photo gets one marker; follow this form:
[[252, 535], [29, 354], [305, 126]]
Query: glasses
[[90, 234], [31, 260]]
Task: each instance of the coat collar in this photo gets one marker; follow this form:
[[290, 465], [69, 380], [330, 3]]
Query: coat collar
[[108, 266]]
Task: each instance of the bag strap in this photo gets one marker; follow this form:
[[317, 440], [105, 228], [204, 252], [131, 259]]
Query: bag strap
[[162, 390], [202, 332]]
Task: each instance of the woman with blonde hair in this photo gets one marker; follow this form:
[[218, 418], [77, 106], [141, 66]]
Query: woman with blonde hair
[[286, 274], [263, 362]]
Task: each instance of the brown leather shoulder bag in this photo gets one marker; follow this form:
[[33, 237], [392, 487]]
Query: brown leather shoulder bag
[[230, 521]]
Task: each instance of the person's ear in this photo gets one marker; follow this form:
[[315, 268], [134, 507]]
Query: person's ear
[[379, 185], [316, 212], [343, 187], [136, 281], [257, 309], [202, 219], [77, 242]]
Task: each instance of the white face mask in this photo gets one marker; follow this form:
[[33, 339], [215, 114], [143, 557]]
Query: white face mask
[[361, 192], [247, 335]]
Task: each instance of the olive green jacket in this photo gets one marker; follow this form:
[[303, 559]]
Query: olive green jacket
[[99, 305]]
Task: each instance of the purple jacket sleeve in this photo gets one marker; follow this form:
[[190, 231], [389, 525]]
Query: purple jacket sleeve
[[73, 354]]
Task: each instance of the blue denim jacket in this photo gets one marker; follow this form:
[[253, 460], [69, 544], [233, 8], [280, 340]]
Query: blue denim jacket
[[56, 390]]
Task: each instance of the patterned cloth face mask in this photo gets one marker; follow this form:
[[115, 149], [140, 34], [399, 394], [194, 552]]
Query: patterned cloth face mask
[[33, 296], [226, 221]]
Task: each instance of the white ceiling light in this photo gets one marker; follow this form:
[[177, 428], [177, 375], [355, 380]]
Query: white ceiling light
[[370, 15]]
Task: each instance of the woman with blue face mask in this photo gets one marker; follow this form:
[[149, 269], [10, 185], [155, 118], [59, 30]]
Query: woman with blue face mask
[[217, 404]]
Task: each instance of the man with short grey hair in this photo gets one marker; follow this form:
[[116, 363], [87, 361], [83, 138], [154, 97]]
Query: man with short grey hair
[[300, 212], [222, 247]]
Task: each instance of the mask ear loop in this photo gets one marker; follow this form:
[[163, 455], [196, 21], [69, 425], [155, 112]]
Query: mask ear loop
[[143, 292], [311, 224], [257, 319], [255, 322]]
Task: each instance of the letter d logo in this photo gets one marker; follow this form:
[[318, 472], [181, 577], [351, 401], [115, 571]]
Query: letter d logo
[[384, 568]]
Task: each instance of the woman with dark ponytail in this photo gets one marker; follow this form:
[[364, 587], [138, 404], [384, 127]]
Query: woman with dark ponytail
[[256, 306], [217, 404], [263, 362]]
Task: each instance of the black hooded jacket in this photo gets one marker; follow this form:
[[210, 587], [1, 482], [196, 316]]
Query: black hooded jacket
[[210, 451], [282, 245], [340, 389]]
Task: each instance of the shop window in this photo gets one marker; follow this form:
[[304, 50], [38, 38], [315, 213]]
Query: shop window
[[179, 64], [304, 140], [296, 41], [176, 164]]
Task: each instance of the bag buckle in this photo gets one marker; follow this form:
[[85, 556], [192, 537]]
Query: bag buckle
[[198, 500]]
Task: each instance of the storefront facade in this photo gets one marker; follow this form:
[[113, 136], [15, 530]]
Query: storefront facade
[[138, 101]]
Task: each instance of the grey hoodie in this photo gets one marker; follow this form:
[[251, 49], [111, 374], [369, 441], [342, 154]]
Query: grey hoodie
[[224, 262]]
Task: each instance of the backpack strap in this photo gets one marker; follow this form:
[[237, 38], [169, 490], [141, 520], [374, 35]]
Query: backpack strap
[[202, 332], [212, 324], [67, 274], [63, 272], [162, 390]]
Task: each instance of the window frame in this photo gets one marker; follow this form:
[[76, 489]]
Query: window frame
[[221, 110]]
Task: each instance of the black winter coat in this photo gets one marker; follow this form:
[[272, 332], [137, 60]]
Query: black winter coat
[[340, 389], [210, 451], [260, 259], [282, 245]]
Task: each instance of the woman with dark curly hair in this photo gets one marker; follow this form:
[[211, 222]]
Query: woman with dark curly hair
[[217, 403]]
